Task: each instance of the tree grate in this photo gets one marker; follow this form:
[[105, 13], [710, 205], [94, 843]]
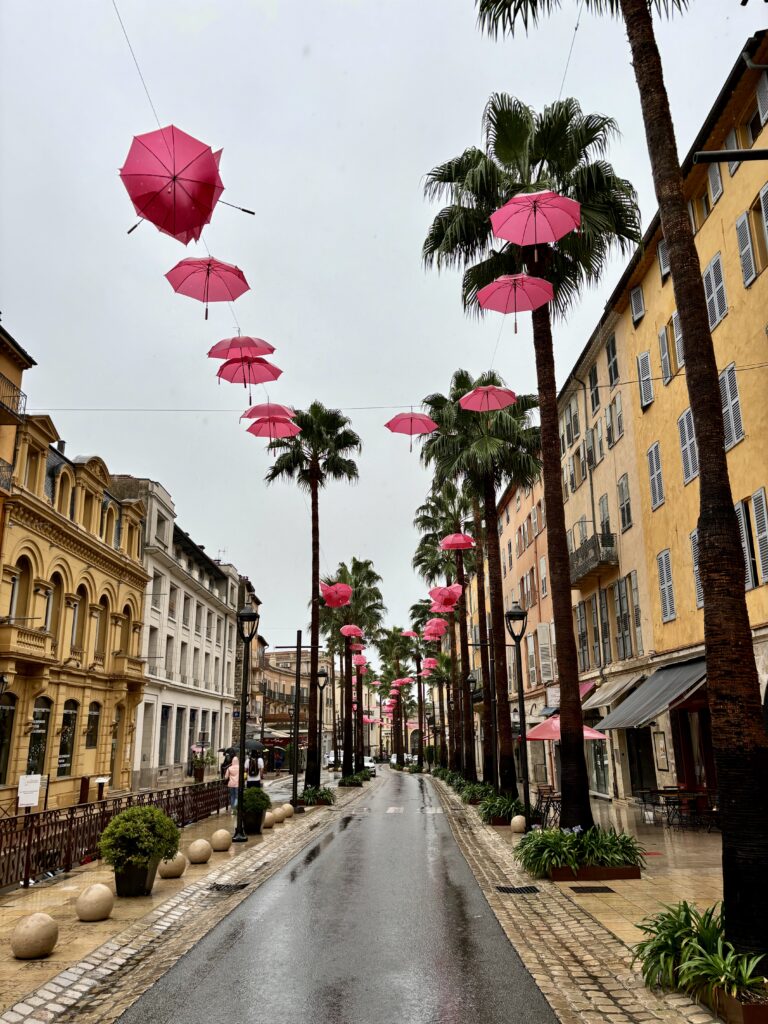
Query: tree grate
[[517, 890], [592, 888], [227, 888]]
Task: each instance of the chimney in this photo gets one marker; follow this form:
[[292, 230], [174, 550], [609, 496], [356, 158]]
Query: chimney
[[60, 446]]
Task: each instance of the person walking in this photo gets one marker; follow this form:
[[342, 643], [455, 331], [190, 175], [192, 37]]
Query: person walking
[[254, 772], [232, 775]]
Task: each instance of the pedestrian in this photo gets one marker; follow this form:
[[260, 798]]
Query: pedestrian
[[253, 772], [260, 766], [232, 775], [278, 761], [228, 754]]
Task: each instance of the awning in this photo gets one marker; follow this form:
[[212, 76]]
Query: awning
[[655, 695], [549, 711], [586, 688], [611, 690]]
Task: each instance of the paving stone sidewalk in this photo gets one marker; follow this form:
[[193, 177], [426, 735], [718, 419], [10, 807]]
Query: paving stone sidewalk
[[583, 970], [98, 988]]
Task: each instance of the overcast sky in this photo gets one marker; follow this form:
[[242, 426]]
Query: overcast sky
[[329, 113]]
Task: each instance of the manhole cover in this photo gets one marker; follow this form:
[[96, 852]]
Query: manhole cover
[[517, 890], [225, 888], [592, 888]]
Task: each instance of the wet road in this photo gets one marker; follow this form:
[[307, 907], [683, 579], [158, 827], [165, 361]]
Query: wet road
[[379, 921]]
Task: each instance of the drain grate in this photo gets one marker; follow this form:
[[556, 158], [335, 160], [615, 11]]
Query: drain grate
[[517, 890], [227, 888], [592, 888]]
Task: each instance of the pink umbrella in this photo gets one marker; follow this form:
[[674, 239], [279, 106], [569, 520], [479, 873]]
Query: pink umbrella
[[208, 280], [487, 399], [279, 412], [439, 625], [513, 293], [411, 423], [357, 647], [442, 607], [430, 663], [446, 595], [351, 631], [273, 427], [253, 370], [534, 217], [335, 595], [456, 542], [426, 673], [550, 730], [363, 670], [410, 633], [359, 659], [241, 346]]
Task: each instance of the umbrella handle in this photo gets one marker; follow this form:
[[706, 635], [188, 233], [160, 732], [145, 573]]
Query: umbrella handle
[[131, 230]]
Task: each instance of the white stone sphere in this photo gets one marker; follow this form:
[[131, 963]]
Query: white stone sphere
[[173, 868], [288, 808], [269, 819], [199, 851], [95, 903], [221, 840], [518, 823], [34, 937], [278, 815]]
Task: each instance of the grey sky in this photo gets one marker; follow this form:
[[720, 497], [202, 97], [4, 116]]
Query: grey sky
[[329, 113]]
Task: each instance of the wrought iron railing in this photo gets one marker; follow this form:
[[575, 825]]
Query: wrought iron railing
[[57, 840], [12, 397], [596, 551]]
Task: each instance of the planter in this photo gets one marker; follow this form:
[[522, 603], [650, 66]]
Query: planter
[[736, 1012], [252, 822], [199, 774], [497, 820], [594, 874], [136, 881]]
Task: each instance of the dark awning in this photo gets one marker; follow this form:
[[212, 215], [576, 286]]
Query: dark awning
[[655, 695], [610, 691]]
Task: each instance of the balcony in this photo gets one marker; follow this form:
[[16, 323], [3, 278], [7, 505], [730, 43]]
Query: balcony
[[593, 557], [13, 402], [132, 668], [27, 644]]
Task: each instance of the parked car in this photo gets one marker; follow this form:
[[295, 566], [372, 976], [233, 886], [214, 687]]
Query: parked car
[[370, 764]]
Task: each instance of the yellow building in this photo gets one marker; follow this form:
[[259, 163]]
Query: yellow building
[[71, 597]]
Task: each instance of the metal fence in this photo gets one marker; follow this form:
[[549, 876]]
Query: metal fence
[[32, 845]]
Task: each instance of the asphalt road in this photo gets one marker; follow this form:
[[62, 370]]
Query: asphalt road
[[379, 921]]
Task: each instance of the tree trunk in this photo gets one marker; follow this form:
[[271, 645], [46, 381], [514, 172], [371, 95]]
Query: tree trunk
[[347, 762], [490, 739], [420, 699], [468, 724], [312, 774], [507, 774], [738, 732], [442, 757], [454, 739], [360, 749]]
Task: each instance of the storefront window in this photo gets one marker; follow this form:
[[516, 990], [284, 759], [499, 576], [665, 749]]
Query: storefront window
[[7, 715], [67, 741], [165, 719], [597, 759], [38, 737], [92, 729], [178, 738]]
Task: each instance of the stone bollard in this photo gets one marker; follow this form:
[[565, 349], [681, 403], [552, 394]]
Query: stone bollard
[[34, 937], [95, 903], [173, 868], [199, 851], [221, 840], [518, 823], [278, 814], [288, 808], [269, 820]]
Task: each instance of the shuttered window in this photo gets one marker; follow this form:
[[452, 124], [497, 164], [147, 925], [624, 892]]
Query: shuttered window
[[696, 577], [714, 290], [746, 252], [731, 142], [666, 590], [543, 576], [764, 210], [582, 640], [623, 626], [530, 641], [760, 509], [637, 304], [654, 472], [692, 216], [595, 631], [729, 399], [688, 447], [545, 652], [677, 333], [612, 360], [605, 627], [761, 94], [715, 182], [644, 379], [625, 508], [742, 514], [666, 366], [594, 389], [637, 617], [662, 251], [605, 521]]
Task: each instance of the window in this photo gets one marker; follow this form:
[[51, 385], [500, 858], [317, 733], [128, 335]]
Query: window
[[165, 721], [677, 334], [92, 725], [535, 521], [582, 461], [761, 95], [186, 611], [654, 472], [173, 600], [531, 644], [198, 617], [714, 290], [732, 142], [572, 472], [688, 448], [67, 740], [7, 715], [568, 425], [582, 525], [666, 363], [178, 736], [623, 629], [625, 508], [569, 540], [637, 304], [746, 251], [715, 182], [543, 575], [605, 521], [38, 737], [696, 578], [666, 590], [614, 421], [605, 627], [598, 439], [636, 611], [157, 589], [565, 484], [760, 510], [506, 515], [644, 379], [747, 544], [704, 205], [692, 215], [546, 654], [575, 418], [662, 252], [595, 630], [594, 389], [582, 639], [729, 398], [612, 360]]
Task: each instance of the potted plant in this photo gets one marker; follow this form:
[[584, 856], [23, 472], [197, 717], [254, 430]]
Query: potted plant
[[256, 803], [497, 810], [200, 761], [317, 795], [593, 855], [134, 843]]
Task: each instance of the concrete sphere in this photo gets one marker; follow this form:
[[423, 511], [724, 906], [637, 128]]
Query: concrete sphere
[[221, 840], [288, 808], [173, 868], [199, 851], [269, 820], [95, 903], [34, 937], [278, 815], [518, 823]]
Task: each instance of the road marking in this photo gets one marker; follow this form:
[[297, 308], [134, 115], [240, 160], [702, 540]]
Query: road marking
[[432, 810], [394, 810]]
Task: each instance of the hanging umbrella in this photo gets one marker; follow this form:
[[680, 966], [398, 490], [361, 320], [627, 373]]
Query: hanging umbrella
[[359, 660], [242, 345], [487, 399], [411, 423], [409, 632], [446, 595], [351, 630], [335, 595], [550, 730], [208, 280], [456, 542], [278, 412], [253, 370], [430, 663], [357, 647], [436, 624], [173, 181], [273, 427], [534, 217], [515, 293]]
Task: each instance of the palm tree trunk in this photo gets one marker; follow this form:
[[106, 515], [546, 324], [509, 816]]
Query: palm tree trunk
[[489, 738], [738, 733], [442, 756], [347, 764], [576, 809], [312, 774], [420, 698], [454, 740], [468, 739], [507, 774], [359, 752]]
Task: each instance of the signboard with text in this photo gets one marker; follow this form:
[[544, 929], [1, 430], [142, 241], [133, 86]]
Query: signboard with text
[[29, 790]]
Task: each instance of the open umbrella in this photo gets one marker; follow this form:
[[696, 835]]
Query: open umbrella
[[513, 293], [534, 217], [351, 630], [359, 660], [254, 746], [457, 542], [550, 730], [357, 647], [411, 423], [278, 412], [240, 346], [434, 625], [487, 399], [253, 370], [273, 427], [409, 632], [208, 280], [336, 595]]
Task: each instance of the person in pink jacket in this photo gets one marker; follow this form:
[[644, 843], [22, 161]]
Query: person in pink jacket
[[232, 775]]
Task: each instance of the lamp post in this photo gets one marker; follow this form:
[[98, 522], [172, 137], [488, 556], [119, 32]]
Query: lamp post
[[516, 620], [321, 675], [247, 628]]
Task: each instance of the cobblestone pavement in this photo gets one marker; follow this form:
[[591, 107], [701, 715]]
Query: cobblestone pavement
[[99, 987], [583, 970]]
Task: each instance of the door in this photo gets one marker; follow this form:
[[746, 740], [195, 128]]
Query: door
[[642, 772]]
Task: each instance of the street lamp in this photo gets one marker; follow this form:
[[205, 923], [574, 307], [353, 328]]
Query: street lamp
[[322, 674], [247, 628], [516, 620]]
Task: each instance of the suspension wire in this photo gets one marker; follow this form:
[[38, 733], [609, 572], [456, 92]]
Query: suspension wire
[[135, 61], [570, 51]]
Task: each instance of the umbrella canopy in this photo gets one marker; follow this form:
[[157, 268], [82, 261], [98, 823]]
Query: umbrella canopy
[[253, 370], [335, 595], [411, 423], [359, 660], [515, 293], [446, 595], [456, 542], [279, 412], [409, 632], [351, 630], [534, 217], [357, 647], [254, 746], [430, 663], [487, 399], [239, 347], [439, 625], [173, 181], [550, 730], [272, 427], [442, 607], [208, 280]]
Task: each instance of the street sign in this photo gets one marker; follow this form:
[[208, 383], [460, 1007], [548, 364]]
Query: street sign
[[236, 713]]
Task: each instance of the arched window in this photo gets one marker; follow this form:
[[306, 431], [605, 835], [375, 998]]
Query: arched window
[[64, 501], [80, 618], [38, 738], [110, 521], [125, 636], [117, 739], [54, 606], [21, 590], [92, 728], [7, 715], [67, 741], [103, 627]]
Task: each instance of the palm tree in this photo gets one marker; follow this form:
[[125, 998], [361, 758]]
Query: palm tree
[[488, 450], [394, 649], [321, 452], [740, 741], [561, 149]]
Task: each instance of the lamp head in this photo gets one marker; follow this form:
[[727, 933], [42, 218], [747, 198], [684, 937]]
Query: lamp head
[[516, 620], [248, 623]]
